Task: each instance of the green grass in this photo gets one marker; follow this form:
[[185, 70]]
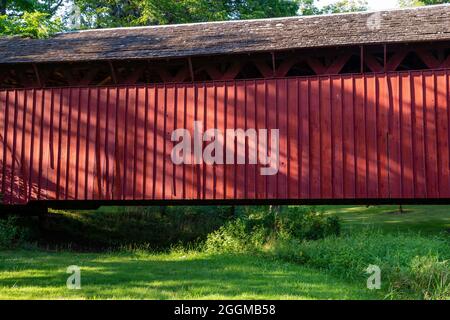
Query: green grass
[[40, 274], [424, 219], [27, 274]]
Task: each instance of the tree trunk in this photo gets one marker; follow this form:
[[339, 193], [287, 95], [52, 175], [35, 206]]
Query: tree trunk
[[43, 220], [233, 211], [274, 210]]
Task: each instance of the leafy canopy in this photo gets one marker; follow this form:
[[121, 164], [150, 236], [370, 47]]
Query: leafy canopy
[[415, 3], [30, 18], [41, 18]]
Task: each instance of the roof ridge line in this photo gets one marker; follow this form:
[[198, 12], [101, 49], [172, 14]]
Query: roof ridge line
[[256, 20]]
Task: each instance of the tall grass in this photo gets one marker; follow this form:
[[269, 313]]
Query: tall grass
[[412, 265]]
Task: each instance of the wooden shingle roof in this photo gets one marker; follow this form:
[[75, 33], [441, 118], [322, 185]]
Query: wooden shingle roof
[[430, 23]]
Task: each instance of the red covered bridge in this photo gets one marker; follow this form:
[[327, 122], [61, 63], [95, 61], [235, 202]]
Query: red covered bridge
[[360, 103]]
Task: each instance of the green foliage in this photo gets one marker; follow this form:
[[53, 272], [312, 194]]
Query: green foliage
[[11, 233], [259, 225], [29, 18], [235, 237], [303, 222], [416, 3], [155, 228], [30, 24], [345, 6], [114, 13], [40, 18], [19, 7], [412, 266]]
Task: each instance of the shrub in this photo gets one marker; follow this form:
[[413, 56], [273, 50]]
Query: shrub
[[301, 222], [234, 237], [257, 226], [11, 234]]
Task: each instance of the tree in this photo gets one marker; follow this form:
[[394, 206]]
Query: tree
[[39, 18], [114, 13], [416, 3], [19, 7], [29, 18], [31, 24], [345, 6]]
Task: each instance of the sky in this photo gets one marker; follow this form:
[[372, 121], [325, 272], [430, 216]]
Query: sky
[[373, 4]]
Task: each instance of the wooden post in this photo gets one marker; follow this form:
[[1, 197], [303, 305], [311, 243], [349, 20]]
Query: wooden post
[[191, 69], [274, 65], [36, 74], [362, 59], [384, 57], [113, 71]]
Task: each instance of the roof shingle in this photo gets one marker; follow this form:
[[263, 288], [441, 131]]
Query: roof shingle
[[397, 26]]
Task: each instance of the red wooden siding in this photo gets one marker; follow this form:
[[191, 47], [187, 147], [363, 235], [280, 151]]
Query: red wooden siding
[[383, 136]]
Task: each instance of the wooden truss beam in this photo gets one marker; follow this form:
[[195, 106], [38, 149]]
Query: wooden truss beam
[[391, 65], [262, 67], [134, 76], [282, 64], [180, 76], [373, 64], [88, 77], [336, 66], [68, 75], [285, 66], [396, 60], [428, 58], [431, 61], [318, 67], [37, 75], [112, 70], [446, 63], [233, 71]]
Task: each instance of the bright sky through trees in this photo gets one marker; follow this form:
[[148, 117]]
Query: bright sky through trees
[[372, 4]]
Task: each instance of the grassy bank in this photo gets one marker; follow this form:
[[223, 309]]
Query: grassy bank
[[412, 266]]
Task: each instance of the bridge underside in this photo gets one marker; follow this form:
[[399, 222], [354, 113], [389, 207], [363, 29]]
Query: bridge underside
[[306, 62], [36, 208]]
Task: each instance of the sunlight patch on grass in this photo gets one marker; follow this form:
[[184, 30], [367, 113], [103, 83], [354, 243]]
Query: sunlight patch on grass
[[167, 276], [419, 218]]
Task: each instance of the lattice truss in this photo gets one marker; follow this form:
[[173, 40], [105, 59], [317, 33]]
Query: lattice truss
[[325, 61]]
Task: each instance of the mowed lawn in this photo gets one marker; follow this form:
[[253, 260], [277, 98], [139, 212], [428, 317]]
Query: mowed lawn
[[425, 219], [42, 275]]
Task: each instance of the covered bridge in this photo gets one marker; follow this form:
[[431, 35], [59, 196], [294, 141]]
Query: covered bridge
[[360, 102]]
